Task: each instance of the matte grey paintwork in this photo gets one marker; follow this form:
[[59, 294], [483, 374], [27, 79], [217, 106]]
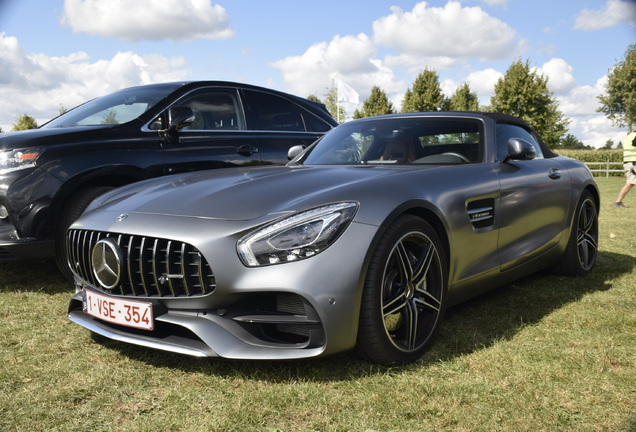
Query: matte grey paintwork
[[534, 202]]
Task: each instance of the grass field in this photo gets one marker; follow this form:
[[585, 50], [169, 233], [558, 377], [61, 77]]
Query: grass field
[[543, 354]]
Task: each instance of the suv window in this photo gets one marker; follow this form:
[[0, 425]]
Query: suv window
[[270, 112], [116, 108], [213, 110], [507, 131], [315, 124]]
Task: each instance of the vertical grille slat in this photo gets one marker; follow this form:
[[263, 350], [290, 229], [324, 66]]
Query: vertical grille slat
[[181, 266], [152, 267], [131, 265], [201, 273], [85, 260], [141, 262], [170, 266], [184, 268]]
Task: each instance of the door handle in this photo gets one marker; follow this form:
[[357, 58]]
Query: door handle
[[246, 150], [554, 173]]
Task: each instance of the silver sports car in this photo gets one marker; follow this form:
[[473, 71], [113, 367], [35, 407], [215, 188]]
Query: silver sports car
[[360, 243]]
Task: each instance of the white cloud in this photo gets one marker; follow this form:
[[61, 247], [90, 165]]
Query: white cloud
[[483, 82], [454, 33], [580, 101], [559, 74], [613, 13], [137, 20], [588, 125], [350, 58], [423, 37], [596, 130], [37, 84]]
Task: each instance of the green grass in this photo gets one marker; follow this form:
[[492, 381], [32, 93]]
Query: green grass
[[543, 354]]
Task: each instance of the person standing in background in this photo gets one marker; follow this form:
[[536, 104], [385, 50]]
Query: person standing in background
[[629, 164]]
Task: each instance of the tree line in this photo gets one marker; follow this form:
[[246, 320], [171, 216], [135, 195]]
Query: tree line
[[521, 92]]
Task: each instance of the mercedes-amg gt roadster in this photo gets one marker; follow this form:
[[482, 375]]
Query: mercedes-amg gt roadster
[[359, 243]]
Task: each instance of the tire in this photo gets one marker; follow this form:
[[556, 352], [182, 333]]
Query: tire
[[582, 248], [72, 211], [404, 295]]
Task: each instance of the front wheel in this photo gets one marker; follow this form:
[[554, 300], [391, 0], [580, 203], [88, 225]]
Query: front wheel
[[404, 296], [582, 248]]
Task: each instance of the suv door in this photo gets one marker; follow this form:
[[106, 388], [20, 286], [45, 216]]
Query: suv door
[[532, 197], [279, 125], [217, 138]]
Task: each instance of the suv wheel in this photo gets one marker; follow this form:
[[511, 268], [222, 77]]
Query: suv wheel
[[71, 212]]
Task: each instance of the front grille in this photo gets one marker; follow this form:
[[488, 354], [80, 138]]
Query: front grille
[[151, 267]]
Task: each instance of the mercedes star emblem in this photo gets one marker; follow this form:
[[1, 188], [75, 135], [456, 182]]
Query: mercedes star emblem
[[107, 262]]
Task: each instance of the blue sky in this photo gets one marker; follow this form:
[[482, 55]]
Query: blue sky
[[62, 52]]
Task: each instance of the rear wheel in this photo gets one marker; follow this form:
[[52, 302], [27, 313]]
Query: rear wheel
[[404, 295], [580, 254], [71, 212]]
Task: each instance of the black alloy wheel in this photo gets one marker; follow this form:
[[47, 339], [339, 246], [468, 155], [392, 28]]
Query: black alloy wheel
[[404, 297], [582, 249]]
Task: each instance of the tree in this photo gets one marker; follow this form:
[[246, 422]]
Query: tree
[[426, 94], [331, 102], [376, 104], [110, 118], [524, 93], [619, 102], [464, 99], [24, 122], [313, 97], [610, 143], [571, 142]]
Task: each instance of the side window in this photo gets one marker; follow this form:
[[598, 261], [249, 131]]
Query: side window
[[315, 124], [507, 131], [270, 112], [213, 110]]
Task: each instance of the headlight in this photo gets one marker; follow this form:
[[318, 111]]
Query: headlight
[[13, 160], [296, 237]]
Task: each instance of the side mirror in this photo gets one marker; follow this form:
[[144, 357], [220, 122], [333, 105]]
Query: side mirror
[[180, 117], [295, 151], [519, 149]]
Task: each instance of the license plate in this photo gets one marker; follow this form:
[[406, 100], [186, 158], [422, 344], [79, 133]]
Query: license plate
[[129, 313]]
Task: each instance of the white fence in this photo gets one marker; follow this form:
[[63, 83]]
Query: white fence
[[604, 167]]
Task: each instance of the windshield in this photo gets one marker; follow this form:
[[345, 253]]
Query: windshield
[[116, 108], [399, 141]]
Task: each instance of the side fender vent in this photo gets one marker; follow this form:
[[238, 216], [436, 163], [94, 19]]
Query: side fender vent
[[481, 212]]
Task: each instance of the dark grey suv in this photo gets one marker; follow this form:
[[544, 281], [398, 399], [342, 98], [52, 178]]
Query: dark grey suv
[[49, 175]]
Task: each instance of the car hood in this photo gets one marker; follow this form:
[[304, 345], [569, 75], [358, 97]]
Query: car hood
[[242, 194], [47, 136]]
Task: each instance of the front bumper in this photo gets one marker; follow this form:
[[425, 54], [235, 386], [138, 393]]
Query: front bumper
[[27, 231], [212, 333], [295, 310]]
